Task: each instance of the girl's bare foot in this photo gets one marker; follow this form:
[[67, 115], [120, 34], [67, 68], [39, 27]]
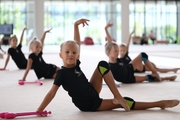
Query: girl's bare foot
[[176, 69], [122, 103], [169, 103], [156, 75], [172, 78]]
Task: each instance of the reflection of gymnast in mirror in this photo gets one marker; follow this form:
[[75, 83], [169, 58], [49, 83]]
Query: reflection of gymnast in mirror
[[124, 50]]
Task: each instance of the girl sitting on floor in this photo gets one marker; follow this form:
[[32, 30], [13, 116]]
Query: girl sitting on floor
[[124, 51], [16, 53], [124, 72], [35, 60]]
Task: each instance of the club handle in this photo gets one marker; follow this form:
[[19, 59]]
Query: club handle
[[33, 113], [13, 115]]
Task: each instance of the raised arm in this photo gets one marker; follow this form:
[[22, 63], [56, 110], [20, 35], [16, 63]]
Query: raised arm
[[76, 29], [21, 39], [43, 37], [108, 36], [129, 39], [29, 65]]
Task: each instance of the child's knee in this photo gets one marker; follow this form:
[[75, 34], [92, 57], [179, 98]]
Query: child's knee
[[144, 57], [130, 102], [103, 67]]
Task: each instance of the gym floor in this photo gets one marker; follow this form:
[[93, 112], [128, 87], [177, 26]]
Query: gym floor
[[25, 98]]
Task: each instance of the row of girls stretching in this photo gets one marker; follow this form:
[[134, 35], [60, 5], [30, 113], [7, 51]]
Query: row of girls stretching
[[85, 93], [123, 65], [123, 68], [35, 60]]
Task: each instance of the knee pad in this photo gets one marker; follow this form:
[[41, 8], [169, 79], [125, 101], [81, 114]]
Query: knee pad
[[150, 78], [144, 57], [130, 102], [103, 67]]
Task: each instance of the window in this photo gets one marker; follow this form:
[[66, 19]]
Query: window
[[159, 16]]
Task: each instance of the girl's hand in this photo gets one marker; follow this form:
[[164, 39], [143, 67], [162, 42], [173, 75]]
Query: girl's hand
[[41, 115], [22, 80], [109, 25], [2, 69], [25, 29], [48, 31], [82, 21], [122, 103]]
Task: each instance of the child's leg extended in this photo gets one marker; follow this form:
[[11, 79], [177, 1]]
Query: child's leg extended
[[163, 70], [161, 104], [103, 72], [144, 57], [135, 105]]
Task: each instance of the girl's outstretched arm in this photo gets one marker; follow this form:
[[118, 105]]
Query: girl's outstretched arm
[[43, 37], [129, 39], [76, 29], [108, 36], [29, 65], [21, 39], [48, 98]]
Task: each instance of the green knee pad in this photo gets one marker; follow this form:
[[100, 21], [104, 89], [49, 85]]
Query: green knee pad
[[130, 102], [103, 67]]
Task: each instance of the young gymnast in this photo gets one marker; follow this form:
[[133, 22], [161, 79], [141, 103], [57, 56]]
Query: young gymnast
[[124, 51], [84, 94], [15, 52], [124, 72], [35, 60]]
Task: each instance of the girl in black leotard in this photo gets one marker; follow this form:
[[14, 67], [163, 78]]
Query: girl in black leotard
[[123, 68], [124, 51], [35, 60], [84, 93], [15, 52]]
